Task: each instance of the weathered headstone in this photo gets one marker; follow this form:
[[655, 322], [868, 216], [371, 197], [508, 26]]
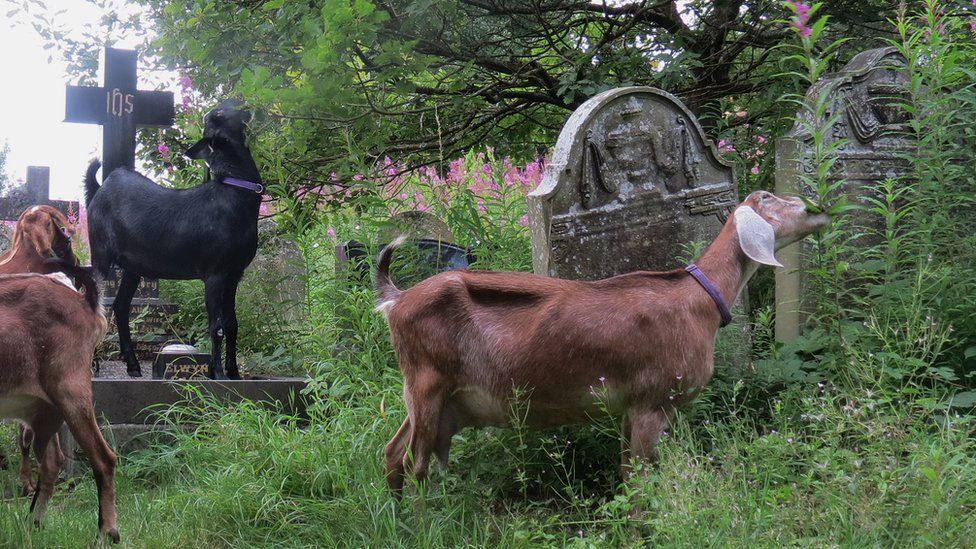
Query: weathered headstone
[[866, 94], [275, 282], [632, 182], [120, 108], [34, 192]]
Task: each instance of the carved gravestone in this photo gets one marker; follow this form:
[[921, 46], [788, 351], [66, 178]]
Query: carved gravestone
[[631, 184], [148, 319], [866, 95]]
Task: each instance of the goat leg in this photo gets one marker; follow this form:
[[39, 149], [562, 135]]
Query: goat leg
[[214, 294], [230, 323], [395, 452], [80, 416], [428, 393], [646, 427], [47, 449], [121, 307], [25, 436]]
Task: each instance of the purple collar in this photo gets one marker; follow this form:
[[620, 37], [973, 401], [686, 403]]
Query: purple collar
[[249, 185], [723, 309]]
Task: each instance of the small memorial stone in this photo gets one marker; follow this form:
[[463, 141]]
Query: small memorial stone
[[179, 361]]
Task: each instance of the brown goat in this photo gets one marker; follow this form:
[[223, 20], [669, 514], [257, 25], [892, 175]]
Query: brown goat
[[41, 232], [640, 344], [48, 334]]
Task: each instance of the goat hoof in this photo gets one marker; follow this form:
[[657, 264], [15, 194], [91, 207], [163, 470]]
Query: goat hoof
[[112, 534], [134, 372]]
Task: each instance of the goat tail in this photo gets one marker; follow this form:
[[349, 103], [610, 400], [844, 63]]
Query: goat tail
[[91, 184], [84, 279], [386, 291]]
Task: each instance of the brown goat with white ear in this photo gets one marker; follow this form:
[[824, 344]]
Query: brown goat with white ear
[[48, 334], [639, 343], [42, 232]]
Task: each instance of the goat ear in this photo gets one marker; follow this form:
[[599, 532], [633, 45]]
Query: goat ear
[[201, 149], [756, 236]]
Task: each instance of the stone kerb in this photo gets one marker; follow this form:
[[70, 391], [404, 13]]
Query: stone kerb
[[127, 409]]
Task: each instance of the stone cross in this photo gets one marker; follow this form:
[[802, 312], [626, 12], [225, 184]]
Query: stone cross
[[632, 182], [120, 108], [866, 94], [34, 192]]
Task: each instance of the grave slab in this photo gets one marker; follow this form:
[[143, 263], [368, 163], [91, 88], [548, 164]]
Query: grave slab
[[125, 408]]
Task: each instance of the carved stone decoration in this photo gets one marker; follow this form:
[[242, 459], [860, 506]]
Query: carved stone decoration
[[632, 182], [6, 234], [867, 93]]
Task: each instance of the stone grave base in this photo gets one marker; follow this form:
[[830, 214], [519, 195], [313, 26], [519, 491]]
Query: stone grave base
[[121, 409]]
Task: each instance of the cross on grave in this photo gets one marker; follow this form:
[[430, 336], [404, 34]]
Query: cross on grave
[[120, 108], [34, 192]]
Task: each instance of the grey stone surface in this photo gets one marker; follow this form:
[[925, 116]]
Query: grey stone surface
[[123, 438], [6, 234], [127, 400], [275, 282], [865, 94], [125, 408], [632, 182]]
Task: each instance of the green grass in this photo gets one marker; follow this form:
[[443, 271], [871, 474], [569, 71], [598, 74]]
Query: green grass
[[811, 470]]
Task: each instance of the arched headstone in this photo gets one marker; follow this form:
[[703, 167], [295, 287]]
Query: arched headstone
[[866, 94], [632, 182]]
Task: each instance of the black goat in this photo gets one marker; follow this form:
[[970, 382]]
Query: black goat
[[208, 232]]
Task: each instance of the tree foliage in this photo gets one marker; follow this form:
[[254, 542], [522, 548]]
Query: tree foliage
[[347, 82], [4, 176]]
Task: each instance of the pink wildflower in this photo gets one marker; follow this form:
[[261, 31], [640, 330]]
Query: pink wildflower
[[761, 139], [524, 221], [755, 170], [972, 25], [331, 232], [802, 17]]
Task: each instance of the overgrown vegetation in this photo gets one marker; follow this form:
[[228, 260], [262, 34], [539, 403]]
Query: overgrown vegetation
[[860, 433]]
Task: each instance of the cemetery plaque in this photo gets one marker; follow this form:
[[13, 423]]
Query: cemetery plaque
[[119, 108], [632, 182], [866, 94]]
